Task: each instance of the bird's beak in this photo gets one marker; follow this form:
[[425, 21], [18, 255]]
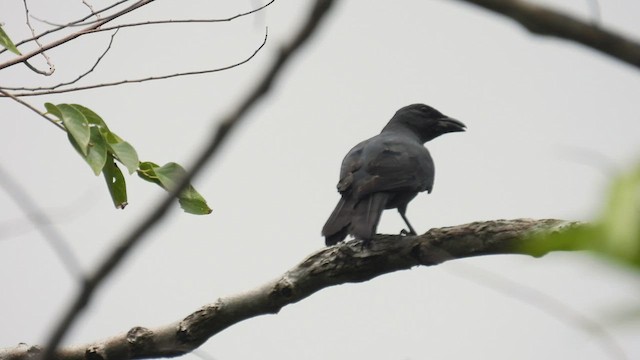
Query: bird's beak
[[448, 124]]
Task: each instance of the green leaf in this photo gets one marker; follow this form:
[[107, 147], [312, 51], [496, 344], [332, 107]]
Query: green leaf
[[620, 223], [6, 42], [167, 177], [146, 171], [77, 125], [126, 154], [91, 116], [569, 238], [193, 203], [115, 183], [122, 150], [97, 155], [52, 109], [615, 235]]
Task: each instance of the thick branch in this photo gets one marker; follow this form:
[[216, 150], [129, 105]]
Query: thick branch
[[124, 247], [544, 21], [335, 265]]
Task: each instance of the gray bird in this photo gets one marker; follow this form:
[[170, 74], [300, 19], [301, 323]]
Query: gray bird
[[386, 172]]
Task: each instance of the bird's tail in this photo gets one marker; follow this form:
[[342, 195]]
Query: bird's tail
[[336, 228], [358, 218], [366, 215]]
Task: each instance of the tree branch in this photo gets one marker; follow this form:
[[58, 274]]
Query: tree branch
[[187, 21], [78, 78], [58, 27], [545, 21], [347, 262], [55, 89], [33, 33], [124, 246], [88, 30], [96, 26], [32, 108]]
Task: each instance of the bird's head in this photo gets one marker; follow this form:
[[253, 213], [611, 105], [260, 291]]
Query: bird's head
[[423, 120]]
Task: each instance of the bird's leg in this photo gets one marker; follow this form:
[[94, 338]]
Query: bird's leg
[[402, 210]]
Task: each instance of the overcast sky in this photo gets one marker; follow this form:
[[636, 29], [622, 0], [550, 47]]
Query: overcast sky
[[549, 125]]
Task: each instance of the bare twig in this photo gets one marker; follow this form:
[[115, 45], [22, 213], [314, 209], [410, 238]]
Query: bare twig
[[64, 26], [112, 260], [168, 21], [32, 108], [42, 223], [93, 12], [82, 22], [52, 68], [68, 82], [348, 262], [38, 71], [37, 92], [186, 21], [544, 21], [87, 30]]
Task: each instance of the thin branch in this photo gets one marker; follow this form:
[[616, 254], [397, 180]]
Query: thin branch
[[32, 108], [62, 27], [125, 246], [100, 20], [544, 21], [347, 262], [88, 30], [166, 21], [52, 68], [186, 21], [42, 223], [93, 12], [69, 82], [151, 78], [38, 71]]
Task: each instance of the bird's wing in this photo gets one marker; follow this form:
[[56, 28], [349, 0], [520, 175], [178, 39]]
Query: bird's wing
[[351, 164], [394, 165]]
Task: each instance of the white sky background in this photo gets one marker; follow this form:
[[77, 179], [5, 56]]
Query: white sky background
[[548, 124]]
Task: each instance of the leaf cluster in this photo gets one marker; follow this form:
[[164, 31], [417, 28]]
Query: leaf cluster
[[101, 148]]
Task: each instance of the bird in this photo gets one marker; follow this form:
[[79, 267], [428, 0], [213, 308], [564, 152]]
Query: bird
[[386, 172]]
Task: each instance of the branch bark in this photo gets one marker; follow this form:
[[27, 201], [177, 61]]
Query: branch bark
[[545, 21], [346, 262]]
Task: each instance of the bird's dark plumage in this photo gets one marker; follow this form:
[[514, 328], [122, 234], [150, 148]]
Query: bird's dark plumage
[[386, 172]]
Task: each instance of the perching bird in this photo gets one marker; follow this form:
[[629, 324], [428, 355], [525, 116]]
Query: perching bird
[[386, 172]]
